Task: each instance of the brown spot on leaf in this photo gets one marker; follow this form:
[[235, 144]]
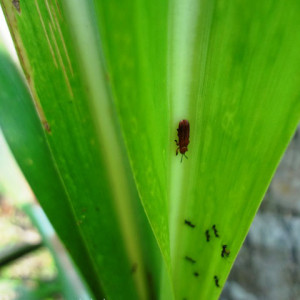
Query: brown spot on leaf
[[47, 126], [134, 268], [107, 77], [58, 8], [16, 4], [152, 295]]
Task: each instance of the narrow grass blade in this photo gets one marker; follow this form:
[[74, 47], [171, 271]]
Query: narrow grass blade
[[25, 136]]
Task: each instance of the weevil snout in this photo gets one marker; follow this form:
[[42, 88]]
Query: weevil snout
[[183, 150]]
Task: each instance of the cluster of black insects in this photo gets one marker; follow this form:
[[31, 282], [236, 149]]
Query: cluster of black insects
[[225, 252], [183, 132]]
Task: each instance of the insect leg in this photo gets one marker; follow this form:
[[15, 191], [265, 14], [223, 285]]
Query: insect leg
[[185, 156]]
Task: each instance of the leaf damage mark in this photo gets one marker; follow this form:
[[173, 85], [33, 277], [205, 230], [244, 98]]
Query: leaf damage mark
[[12, 21], [46, 34], [58, 8], [63, 69], [134, 268], [16, 4], [47, 126]]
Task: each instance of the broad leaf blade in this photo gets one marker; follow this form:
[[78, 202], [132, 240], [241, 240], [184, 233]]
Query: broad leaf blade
[[134, 38], [62, 99], [244, 93]]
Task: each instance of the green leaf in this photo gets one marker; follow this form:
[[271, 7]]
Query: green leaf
[[134, 40], [235, 69], [111, 221], [24, 134]]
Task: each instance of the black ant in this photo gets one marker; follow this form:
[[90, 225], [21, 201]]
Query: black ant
[[207, 235], [189, 223], [216, 281], [225, 252], [215, 230], [190, 259]]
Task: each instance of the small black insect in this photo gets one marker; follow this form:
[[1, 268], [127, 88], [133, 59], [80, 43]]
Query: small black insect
[[216, 281], [189, 223], [215, 230], [207, 235], [196, 274], [190, 259], [225, 252]]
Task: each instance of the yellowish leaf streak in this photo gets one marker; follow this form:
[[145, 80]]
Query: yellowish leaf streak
[[50, 14], [46, 34], [61, 61], [62, 40], [12, 22], [58, 8]]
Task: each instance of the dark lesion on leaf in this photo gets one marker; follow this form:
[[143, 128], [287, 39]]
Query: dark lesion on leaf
[[16, 4], [47, 126], [152, 294], [134, 268]]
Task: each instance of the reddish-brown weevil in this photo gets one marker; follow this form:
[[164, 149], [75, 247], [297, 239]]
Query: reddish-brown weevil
[[183, 132]]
